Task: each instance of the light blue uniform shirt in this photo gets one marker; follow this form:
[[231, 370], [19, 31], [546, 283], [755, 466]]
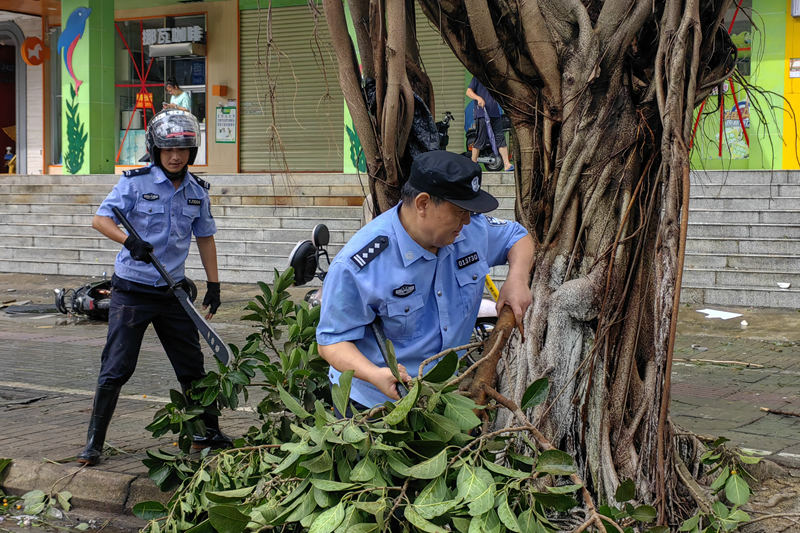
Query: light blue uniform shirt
[[426, 301], [163, 216], [182, 100]]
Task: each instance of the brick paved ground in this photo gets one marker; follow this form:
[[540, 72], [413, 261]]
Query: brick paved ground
[[49, 364]]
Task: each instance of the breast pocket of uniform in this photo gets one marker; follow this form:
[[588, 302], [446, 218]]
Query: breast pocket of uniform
[[470, 285], [152, 217], [402, 318], [188, 214]]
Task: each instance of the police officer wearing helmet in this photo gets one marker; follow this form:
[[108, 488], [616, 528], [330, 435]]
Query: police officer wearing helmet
[[420, 267], [166, 204]]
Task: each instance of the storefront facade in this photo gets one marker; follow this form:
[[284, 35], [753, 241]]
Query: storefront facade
[[81, 105]]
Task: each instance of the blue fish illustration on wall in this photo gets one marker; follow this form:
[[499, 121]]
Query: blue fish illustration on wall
[[73, 31]]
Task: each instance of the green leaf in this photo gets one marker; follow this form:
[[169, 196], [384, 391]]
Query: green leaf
[[506, 515], [403, 407], [229, 496], [528, 522], [443, 370], [737, 515], [33, 497], [690, 524], [504, 470], [644, 513], [352, 434], [720, 480], [331, 486], [555, 462], [292, 404], [328, 520], [442, 426], [149, 510], [658, 529], [563, 489], [749, 459], [626, 491], [64, 498], [418, 521], [341, 392], [559, 502], [319, 464], [431, 500], [465, 419], [736, 490], [430, 468], [227, 519], [391, 360], [536, 393], [203, 527], [363, 471]]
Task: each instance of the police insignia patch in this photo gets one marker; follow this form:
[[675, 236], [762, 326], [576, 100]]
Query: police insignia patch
[[495, 221], [370, 251], [136, 172], [404, 290], [151, 196]]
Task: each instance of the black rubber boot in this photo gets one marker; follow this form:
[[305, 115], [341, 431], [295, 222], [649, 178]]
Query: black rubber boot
[[105, 400], [214, 437]]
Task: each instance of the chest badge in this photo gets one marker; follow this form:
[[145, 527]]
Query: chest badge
[[404, 290], [193, 201], [151, 196], [467, 260]]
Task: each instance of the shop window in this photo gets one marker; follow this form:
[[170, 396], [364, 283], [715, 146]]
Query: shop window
[[151, 52]]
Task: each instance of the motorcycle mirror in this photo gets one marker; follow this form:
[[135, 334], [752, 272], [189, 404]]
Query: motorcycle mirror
[[320, 236], [303, 260]]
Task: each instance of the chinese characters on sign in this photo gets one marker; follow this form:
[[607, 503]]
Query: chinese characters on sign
[[226, 124], [182, 34]]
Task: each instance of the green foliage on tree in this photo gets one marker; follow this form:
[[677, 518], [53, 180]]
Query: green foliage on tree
[[76, 138], [424, 463]]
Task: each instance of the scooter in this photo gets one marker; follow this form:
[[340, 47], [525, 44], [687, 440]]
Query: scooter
[[94, 298], [493, 162], [306, 258]]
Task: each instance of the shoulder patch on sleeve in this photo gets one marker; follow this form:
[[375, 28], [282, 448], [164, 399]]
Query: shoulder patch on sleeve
[[369, 252], [136, 172], [203, 183], [495, 221]]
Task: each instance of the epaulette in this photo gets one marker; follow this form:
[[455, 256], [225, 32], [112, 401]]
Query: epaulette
[[136, 172], [203, 183], [370, 251]]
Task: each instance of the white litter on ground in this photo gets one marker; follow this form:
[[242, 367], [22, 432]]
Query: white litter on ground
[[716, 313]]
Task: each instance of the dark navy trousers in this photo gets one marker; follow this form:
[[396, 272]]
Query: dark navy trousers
[[134, 307]]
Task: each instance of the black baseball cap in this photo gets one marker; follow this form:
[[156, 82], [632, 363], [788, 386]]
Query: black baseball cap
[[452, 177]]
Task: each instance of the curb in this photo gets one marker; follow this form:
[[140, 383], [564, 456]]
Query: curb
[[92, 487]]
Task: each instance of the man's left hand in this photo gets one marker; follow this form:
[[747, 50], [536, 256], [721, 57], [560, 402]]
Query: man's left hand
[[517, 295], [211, 300]]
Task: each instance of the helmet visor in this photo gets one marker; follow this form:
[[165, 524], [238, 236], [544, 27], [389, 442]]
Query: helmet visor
[[175, 129]]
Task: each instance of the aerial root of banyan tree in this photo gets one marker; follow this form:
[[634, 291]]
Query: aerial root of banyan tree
[[601, 96]]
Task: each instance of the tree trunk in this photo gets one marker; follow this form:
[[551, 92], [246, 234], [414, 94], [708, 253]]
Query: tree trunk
[[601, 97]]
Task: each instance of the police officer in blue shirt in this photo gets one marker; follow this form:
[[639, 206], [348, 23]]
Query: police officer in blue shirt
[[420, 267], [166, 204]]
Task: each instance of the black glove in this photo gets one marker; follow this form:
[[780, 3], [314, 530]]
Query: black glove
[[212, 296], [140, 249]]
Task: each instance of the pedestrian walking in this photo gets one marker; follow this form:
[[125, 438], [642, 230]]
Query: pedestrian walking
[[166, 204]]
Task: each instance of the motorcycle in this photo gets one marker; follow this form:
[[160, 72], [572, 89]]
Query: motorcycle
[[492, 161], [94, 298], [306, 257]]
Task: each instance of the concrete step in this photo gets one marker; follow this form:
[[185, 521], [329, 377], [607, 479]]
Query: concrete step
[[745, 203], [743, 246], [745, 190], [745, 216], [744, 230], [698, 277], [754, 262], [741, 297], [740, 177]]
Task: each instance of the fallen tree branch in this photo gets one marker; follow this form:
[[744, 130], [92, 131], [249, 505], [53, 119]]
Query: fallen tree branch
[[719, 362], [779, 412]]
